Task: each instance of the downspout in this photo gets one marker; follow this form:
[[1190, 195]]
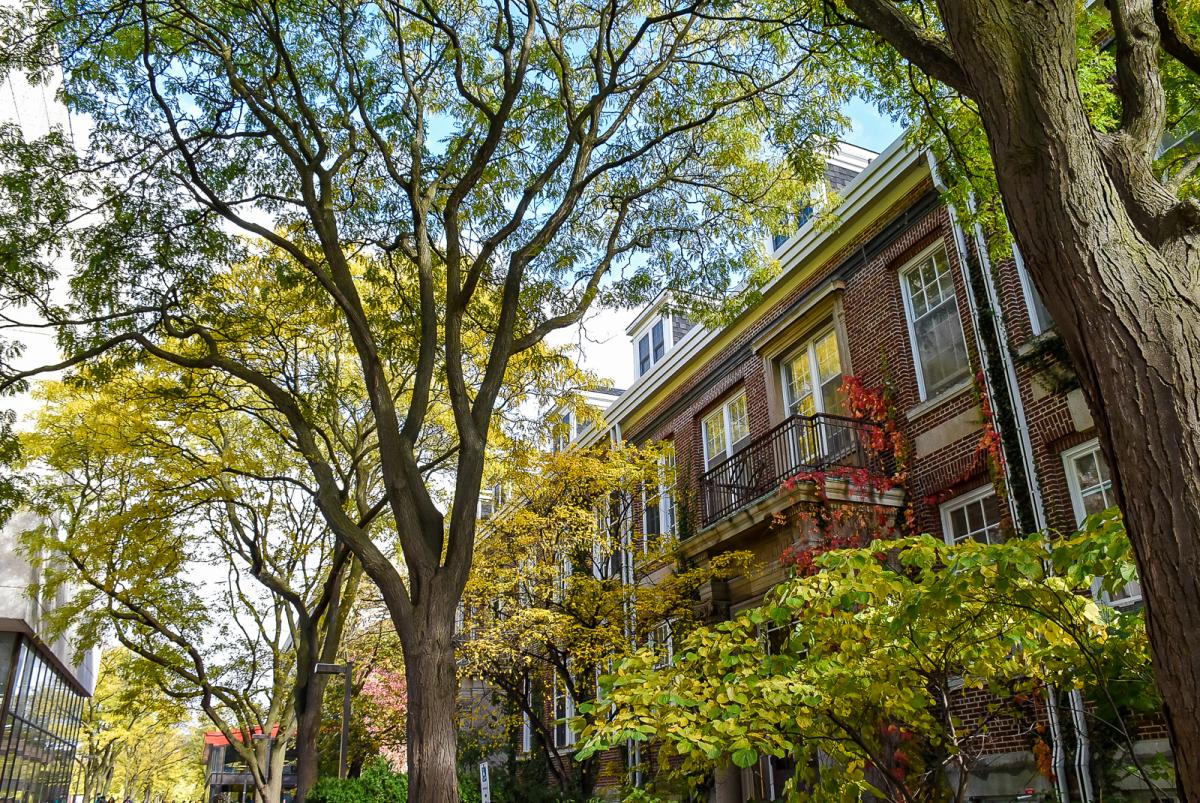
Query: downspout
[[1083, 755], [1024, 450], [1078, 715]]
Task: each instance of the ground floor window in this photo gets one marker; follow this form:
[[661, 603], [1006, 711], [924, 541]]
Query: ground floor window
[[974, 515], [41, 714]]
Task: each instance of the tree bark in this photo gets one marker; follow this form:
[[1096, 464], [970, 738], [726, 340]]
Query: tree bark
[[1126, 302], [432, 699], [310, 693]]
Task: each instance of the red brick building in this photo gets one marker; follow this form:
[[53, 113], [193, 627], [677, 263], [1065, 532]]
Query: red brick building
[[892, 291]]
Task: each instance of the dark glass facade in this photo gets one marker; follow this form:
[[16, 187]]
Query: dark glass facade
[[39, 725]]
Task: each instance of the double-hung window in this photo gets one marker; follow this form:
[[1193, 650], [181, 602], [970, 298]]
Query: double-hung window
[[812, 377], [658, 502], [652, 346], [975, 515], [726, 430], [1091, 492], [934, 326], [662, 641], [564, 712]]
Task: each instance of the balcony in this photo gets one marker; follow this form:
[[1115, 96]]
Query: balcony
[[799, 445]]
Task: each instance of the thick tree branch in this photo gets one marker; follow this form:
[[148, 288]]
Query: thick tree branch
[[930, 53], [1176, 41]]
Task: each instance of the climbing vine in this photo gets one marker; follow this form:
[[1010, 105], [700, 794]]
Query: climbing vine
[[852, 524]]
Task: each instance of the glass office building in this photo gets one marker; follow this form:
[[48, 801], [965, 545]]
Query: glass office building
[[40, 713]]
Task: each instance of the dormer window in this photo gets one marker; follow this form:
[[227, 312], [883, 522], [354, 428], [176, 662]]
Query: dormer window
[[655, 332], [652, 346]]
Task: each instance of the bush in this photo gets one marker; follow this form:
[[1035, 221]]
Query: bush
[[378, 783]]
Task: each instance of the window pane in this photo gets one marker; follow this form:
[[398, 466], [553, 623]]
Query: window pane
[[653, 521], [1086, 471], [714, 436], [657, 337], [644, 354], [829, 361], [975, 516], [1093, 503], [739, 422], [941, 348], [958, 524], [797, 385]]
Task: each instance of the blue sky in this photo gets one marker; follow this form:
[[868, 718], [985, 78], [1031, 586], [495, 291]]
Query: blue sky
[[870, 129]]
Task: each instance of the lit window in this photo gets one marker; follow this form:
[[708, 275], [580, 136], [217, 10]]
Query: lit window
[[812, 377], [1092, 492], [939, 348], [973, 516], [728, 425]]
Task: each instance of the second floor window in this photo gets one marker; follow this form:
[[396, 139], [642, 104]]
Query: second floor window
[[658, 502], [975, 515], [939, 347], [812, 377], [726, 430]]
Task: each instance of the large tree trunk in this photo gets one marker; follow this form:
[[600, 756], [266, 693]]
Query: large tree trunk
[[310, 693], [1126, 302], [432, 700]]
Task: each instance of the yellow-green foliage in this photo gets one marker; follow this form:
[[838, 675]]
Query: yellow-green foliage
[[874, 646]]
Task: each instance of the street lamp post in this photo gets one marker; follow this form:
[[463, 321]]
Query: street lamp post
[[346, 670]]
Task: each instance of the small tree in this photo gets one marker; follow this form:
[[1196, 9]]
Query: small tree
[[220, 582], [134, 738], [852, 671], [564, 588]]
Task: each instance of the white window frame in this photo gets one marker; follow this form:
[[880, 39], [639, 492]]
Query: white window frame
[[646, 333], [664, 496], [808, 346], [1029, 292], [910, 317], [1075, 490], [960, 501], [726, 422], [568, 706]]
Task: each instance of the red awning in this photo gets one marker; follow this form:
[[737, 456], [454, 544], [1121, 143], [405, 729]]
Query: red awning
[[217, 739]]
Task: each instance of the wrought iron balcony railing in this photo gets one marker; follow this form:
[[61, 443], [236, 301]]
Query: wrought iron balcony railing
[[799, 444]]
